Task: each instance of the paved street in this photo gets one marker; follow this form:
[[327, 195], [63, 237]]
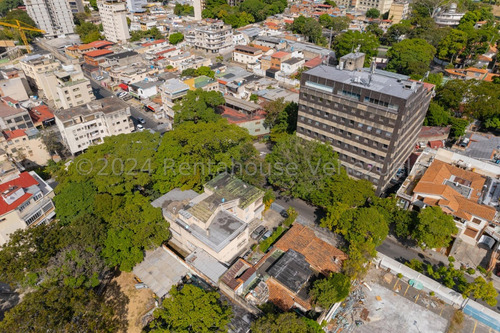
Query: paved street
[[135, 106]]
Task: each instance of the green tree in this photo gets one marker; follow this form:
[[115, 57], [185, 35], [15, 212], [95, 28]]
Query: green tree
[[198, 106], [434, 78], [88, 32], [183, 10], [397, 31], [348, 41], [411, 57], [339, 23], [60, 309], [275, 323], [285, 122], [372, 13], [480, 289], [8, 5], [74, 200], [437, 115], [205, 71], [191, 309], [190, 154], [451, 95], [308, 27], [21, 16], [299, 167], [451, 46], [404, 223], [458, 127], [254, 98], [434, 228], [375, 29], [175, 38], [325, 20], [332, 289], [93, 3]]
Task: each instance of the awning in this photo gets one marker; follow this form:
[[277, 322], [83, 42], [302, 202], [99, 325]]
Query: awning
[[123, 86]]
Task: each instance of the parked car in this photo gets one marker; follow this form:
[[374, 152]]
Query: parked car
[[99, 78], [258, 232], [140, 128], [141, 120], [267, 235], [122, 94]]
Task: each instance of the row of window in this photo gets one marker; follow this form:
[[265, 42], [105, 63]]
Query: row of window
[[345, 133], [345, 146], [353, 96], [351, 110]]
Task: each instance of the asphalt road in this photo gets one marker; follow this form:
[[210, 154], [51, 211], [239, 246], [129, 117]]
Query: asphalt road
[[135, 110]]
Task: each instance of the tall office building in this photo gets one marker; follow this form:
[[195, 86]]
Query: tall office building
[[53, 16], [114, 20], [370, 117]]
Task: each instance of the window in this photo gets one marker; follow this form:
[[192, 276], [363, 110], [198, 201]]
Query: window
[[24, 205], [33, 217], [37, 196]]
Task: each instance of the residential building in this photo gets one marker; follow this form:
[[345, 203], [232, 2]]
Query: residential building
[[94, 58], [289, 267], [471, 198], [246, 54], [26, 201], [76, 6], [136, 6], [25, 146], [448, 18], [144, 89], [244, 114], [17, 88], [275, 43], [382, 5], [171, 92], [371, 117], [211, 37], [67, 87], [52, 16], [35, 64], [114, 20], [399, 11], [203, 82], [279, 57], [42, 116], [470, 73], [198, 5], [76, 51], [292, 65], [218, 221], [89, 124], [13, 116]]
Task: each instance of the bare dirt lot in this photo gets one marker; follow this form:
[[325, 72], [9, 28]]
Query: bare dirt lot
[[132, 303]]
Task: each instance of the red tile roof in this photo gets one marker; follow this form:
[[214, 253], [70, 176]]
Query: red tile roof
[[9, 100], [17, 133], [41, 113], [280, 54], [97, 53], [436, 144], [166, 51], [153, 42], [235, 117], [313, 62], [97, 44], [24, 180]]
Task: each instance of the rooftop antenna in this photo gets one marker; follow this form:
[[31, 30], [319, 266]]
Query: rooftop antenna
[[373, 66]]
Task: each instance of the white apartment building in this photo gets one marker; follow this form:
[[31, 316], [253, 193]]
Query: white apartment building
[[219, 221], [25, 201], [448, 18], [53, 16], [246, 54], [67, 87], [35, 64], [292, 65], [171, 92], [114, 20], [382, 5], [89, 124], [211, 37], [25, 146]]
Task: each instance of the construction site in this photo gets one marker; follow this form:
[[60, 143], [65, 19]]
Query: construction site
[[384, 303]]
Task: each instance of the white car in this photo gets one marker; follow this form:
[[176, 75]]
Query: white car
[[122, 94], [140, 128], [141, 120]]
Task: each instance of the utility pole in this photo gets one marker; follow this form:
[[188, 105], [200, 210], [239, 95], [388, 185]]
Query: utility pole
[[330, 41]]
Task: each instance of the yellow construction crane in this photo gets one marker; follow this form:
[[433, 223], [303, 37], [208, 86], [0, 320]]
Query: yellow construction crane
[[21, 27]]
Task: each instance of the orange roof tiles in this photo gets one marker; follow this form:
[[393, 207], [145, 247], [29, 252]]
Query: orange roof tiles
[[97, 53], [322, 257], [17, 133], [433, 183], [283, 298], [280, 54]]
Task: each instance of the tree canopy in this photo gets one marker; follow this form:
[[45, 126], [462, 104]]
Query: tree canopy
[[332, 289], [275, 323], [349, 41], [198, 106], [175, 38], [434, 228], [191, 309], [372, 13], [411, 57]]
